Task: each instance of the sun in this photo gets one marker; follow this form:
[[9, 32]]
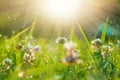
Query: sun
[[61, 8]]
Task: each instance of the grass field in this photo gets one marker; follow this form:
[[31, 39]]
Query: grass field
[[24, 58]]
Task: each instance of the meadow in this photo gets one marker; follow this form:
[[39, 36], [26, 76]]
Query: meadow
[[22, 57]]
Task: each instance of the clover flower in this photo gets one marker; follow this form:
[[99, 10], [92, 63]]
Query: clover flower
[[69, 46], [75, 54], [27, 47], [32, 57], [29, 55], [61, 40], [96, 45], [72, 58], [36, 48], [96, 42], [106, 50], [19, 46], [26, 57], [7, 63]]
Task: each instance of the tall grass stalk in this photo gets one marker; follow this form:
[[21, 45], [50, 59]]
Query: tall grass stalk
[[104, 30]]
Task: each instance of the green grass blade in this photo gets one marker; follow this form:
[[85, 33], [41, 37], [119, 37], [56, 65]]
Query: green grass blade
[[104, 31], [83, 34], [88, 44], [32, 28], [19, 34], [72, 34]]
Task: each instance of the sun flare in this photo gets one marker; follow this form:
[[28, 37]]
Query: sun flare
[[61, 8]]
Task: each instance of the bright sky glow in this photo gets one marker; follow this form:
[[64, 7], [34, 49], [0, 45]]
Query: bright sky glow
[[61, 8]]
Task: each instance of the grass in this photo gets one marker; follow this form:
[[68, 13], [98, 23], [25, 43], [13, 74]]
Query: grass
[[104, 31], [48, 64]]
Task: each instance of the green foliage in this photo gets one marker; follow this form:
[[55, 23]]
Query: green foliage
[[48, 63]]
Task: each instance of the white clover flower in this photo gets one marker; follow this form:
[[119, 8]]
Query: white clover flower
[[36, 48], [27, 47], [96, 45], [106, 50], [26, 57], [96, 42], [7, 63], [20, 74], [32, 57], [75, 54], [19, 46], [29, 57], [68, 59], [95, 48], [61, 40], [72, 58], [69, 46]]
